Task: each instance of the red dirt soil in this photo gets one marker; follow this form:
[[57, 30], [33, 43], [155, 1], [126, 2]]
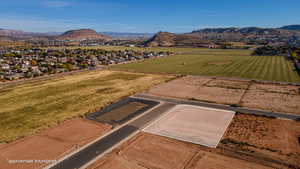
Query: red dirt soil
[[266, 136], [218, 95], [203, 89], [51, 144], [176, 88], [228, 84], [269, 97], [276, 102], [284, 89]]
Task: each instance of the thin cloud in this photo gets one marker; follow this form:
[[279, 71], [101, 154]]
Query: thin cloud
[[56, 4]]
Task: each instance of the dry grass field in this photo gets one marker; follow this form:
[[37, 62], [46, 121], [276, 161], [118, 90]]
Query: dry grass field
[[32, 106]]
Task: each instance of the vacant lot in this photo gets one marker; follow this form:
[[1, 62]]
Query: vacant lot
[[264, 138], [29, 107], [272, 101], [250, 142], [270, 97], [146, 151], [216, 62]]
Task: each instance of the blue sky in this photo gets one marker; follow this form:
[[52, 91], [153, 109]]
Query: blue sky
[[145, 15]]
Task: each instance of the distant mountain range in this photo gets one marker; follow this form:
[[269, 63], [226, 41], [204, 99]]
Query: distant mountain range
[[127, 35], [291, 27], [287, 34], [8, 34], [247, 35]]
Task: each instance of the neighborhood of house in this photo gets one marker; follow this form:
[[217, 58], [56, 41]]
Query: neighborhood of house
[[85, 42], [26, 63]]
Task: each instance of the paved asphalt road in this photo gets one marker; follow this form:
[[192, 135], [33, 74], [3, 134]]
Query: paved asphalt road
[[220, 106], [84, 156], [89, 153]]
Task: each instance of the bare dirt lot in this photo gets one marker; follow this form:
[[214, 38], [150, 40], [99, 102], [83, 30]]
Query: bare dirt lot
[[277, 98], [249, 142], [272, 139], [50, 144], [273, 88], [275, 102], [270, 97], [229, 84], [201, 88], [147, 151], [218, 95], [183, 88]]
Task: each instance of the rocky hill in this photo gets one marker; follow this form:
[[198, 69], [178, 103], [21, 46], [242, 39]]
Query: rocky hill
[[253, 34], [81, 34], [246, 35], [166, 39], [162, 39]]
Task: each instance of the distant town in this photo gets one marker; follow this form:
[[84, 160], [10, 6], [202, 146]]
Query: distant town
[[27, 55], [27, 63]]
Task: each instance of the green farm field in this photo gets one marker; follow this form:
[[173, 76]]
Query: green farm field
[[216, 62]]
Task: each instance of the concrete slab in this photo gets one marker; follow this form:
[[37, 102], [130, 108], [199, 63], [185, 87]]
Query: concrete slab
[[199, 125]]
